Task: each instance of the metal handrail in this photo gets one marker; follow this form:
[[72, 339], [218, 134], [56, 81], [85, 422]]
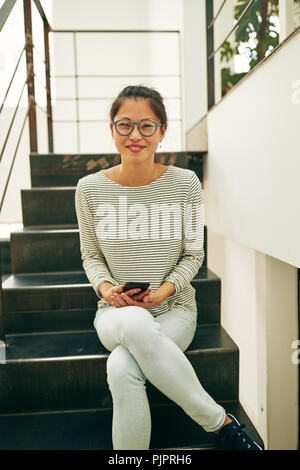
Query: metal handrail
[[115, 31], [42, 13], [216, 15], [14, 158], [11, 80], [5, 11], [12, 121], [236, 25]]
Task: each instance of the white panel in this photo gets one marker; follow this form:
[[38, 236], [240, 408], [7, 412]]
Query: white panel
[[99, 109], [173, 109], [63, 63], [104, 87], [65, 137], [173, 139], [64, 110], [63, 88], [96, 137], [94, 109], [127, 54], [117, 14]]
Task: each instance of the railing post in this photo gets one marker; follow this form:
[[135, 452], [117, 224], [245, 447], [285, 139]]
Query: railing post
[[30, 75], [210, 49], [48, 87]]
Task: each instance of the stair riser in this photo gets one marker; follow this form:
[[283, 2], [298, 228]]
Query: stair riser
[[5, 257], [49, 321], [66, 308], [47, 299], [48, 207], [208, 298], [45, 252], [170, 427], [81, 383], [65, 170], [48, 251]]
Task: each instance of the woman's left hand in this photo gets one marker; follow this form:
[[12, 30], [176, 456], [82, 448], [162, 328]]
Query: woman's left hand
[[148, 301]]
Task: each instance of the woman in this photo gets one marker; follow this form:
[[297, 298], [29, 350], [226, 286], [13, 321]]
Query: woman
[[122, 240]]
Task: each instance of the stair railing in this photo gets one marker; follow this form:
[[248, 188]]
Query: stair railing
[[5, 12], [27, 49], [212, 51]]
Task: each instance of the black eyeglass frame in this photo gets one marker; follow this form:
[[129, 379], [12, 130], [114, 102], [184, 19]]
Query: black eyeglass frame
[[157, 124]]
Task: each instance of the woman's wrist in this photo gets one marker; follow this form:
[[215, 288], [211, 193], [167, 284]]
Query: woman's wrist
[[165, 290], [104, 288]]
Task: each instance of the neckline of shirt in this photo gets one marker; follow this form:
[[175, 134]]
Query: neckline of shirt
[[135, 187]]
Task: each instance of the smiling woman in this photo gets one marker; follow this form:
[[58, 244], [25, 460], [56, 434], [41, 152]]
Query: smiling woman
[[138, 125], [147, 332]]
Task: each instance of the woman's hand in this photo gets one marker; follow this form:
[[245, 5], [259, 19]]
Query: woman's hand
[[131, 297], [111, 295]]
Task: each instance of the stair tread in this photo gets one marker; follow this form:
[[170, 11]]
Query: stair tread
[[91, 429], [74, 278], [38, 229], [50, 188], [84, 344]]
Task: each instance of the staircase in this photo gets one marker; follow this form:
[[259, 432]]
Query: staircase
[[54, 393]]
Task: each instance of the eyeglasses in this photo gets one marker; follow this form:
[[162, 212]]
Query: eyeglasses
[[146, 127]]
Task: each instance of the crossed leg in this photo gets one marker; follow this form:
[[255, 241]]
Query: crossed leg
[[147, 348]]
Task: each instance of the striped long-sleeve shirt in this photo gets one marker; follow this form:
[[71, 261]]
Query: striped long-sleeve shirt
[[152, 233]]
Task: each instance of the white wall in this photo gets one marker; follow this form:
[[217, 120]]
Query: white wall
[[252, 196], [194, 57], [252, 187], [116, 60]]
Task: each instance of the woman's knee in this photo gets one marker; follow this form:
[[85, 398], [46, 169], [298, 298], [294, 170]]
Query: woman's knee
[[121, 368], [135, 320]]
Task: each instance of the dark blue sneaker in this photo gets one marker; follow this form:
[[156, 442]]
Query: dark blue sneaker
[[233, 437]]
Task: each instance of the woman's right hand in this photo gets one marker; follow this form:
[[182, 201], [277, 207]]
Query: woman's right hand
[[113, 297]]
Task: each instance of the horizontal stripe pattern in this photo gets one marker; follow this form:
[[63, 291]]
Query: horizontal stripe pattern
[[152, 233]]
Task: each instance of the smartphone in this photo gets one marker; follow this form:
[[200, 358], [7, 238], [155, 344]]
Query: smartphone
[[136, 285]]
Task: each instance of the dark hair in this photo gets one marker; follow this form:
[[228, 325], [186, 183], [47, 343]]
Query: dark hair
[[141, 92]]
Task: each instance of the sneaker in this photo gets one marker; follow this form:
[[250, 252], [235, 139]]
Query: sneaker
[[233, 437]]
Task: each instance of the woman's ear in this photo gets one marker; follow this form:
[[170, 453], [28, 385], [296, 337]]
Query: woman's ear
[[162, 132], [111, 128]]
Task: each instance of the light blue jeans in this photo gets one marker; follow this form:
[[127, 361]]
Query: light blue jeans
[[143, 348]]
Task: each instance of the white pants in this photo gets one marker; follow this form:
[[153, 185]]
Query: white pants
[[143, 348]]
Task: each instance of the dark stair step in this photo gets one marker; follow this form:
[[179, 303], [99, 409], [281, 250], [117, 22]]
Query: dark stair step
[[50, 249], [65, 170], [5, 256], [66, 301], [45, 372], [48, 206], [172, 428]]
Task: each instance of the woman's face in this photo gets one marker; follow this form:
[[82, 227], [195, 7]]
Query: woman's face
[[136, 146]]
